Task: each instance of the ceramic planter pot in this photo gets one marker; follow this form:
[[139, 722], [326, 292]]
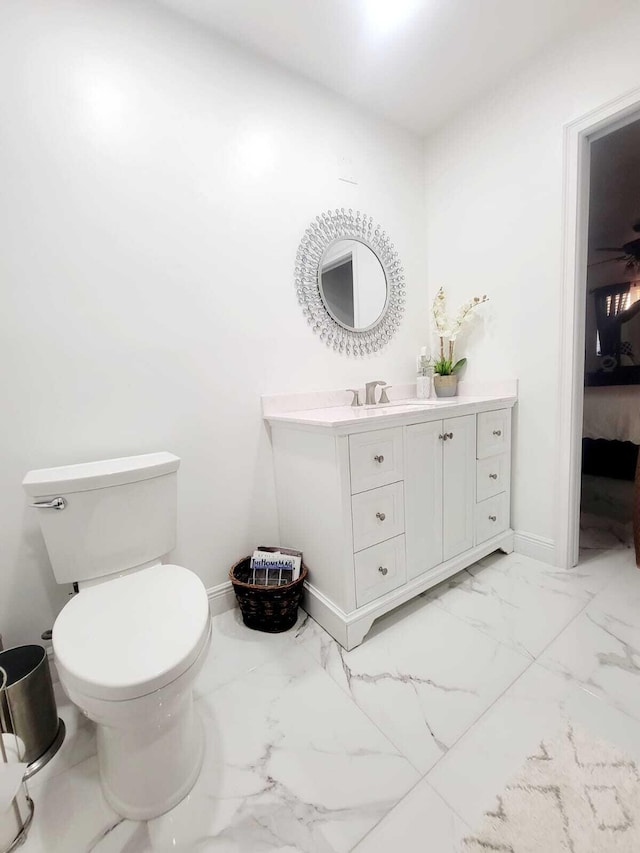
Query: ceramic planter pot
[[446, 386]]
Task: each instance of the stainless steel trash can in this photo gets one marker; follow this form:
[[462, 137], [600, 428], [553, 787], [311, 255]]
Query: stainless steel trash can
[[29, 706]]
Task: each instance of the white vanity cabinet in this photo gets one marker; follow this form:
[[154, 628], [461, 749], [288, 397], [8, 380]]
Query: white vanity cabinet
[[493, 475], [386, 506], [440, 485]]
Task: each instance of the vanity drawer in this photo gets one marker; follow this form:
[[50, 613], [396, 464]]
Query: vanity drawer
[[379, 570], [377, 515], [493, 432], [492, 476], [492, 517], [375, 459]]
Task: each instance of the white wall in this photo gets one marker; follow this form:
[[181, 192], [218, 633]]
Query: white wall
[[155, 185], [494, 225]]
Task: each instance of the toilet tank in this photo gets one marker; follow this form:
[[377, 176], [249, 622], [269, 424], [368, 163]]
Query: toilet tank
[[117, 514]]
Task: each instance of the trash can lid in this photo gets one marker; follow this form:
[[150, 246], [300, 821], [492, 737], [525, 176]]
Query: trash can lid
[[132, 635]]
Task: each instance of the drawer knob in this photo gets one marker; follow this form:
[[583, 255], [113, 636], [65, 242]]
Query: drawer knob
[[497, 432], [381, 516], [493, 476], [493, 518], [383, 570], [379, 459]]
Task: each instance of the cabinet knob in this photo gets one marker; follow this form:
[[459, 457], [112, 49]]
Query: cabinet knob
[[442, 437], [492, 518], [379, 458], [448, 435], [381, 516], [497, 432], [383, 570], [493, 476]]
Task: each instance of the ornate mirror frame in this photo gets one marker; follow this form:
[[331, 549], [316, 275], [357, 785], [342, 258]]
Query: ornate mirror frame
[[326, 229]]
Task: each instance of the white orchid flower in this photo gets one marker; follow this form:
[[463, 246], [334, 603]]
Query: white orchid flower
[[439, 311]]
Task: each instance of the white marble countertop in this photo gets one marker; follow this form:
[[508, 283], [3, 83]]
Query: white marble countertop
[[396, 413]]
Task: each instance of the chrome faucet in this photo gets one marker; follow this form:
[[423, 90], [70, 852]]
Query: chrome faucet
[[370, 391]]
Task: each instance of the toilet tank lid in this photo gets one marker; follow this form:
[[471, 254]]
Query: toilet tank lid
[[99, 475]]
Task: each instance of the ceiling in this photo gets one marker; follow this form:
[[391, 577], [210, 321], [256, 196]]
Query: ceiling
[[415, 62]]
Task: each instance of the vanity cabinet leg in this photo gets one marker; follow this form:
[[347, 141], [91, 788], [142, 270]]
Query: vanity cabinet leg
[[507, 547], [357, 632]]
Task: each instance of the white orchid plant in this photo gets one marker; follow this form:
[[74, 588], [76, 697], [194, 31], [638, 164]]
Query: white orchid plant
[[448, 332]]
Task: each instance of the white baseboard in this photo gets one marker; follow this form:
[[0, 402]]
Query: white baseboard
[[221, 598], [536, 547]]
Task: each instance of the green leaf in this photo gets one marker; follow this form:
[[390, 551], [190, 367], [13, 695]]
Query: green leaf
[[459, 365], [443, 367]]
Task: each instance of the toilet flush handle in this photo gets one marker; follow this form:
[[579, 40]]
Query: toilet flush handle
[[56, 503]]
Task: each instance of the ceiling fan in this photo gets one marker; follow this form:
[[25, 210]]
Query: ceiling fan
[[628, 252]]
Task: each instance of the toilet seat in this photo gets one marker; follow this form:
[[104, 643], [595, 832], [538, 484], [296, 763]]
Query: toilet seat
[[132, 635]]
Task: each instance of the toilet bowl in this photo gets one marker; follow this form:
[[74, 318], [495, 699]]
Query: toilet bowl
[[128, 652], [129, 646]]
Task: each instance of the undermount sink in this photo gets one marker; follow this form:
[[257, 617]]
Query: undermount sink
[[411, 402]]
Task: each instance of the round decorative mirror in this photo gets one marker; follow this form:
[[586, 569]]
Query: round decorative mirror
[[350, 282]]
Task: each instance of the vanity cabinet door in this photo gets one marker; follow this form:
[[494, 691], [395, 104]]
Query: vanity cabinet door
[[459, 488], [423, 497]]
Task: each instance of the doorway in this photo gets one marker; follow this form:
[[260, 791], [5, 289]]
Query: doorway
[[580, 137], [611, 410]]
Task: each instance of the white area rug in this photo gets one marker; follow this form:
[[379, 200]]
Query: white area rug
[[575, 794]]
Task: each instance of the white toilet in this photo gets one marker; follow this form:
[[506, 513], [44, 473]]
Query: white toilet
[[129, 646]]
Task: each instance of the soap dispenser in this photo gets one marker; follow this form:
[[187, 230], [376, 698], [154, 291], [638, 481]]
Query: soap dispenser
[[423, 378]]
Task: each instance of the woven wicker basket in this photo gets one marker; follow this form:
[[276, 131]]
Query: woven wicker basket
[[266, 608]]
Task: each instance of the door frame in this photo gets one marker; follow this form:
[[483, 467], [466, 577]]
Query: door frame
[[578, 136]]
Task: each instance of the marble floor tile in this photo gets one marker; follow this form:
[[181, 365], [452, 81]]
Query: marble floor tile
[[423, 680], [311, 749], [236, 649], [126, 836], [622, 595], [586, 580], [478, 767], [71, 815], [421, 823], [513, 601], [292, 764], [600, 650]]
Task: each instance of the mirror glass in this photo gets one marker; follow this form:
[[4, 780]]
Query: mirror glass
[[353, 284]]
